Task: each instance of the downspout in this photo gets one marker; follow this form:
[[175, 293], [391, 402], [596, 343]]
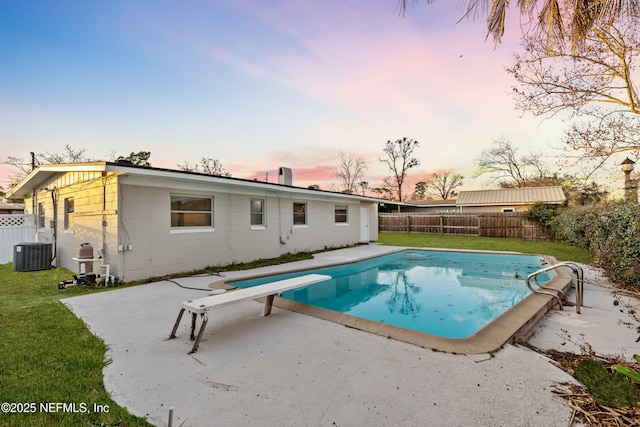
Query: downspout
[[102, 250], [33, 194], [104, 212], [54, 225]]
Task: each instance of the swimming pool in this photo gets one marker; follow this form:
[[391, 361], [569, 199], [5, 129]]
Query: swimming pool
[[447, 294]]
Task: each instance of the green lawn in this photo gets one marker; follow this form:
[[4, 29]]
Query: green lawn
[[561, 251], [48, 356]]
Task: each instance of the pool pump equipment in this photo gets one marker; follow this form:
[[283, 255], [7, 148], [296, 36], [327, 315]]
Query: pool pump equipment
[[86, 276]]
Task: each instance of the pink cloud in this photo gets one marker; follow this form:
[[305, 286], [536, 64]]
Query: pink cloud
[[346, 57], [318, 173]]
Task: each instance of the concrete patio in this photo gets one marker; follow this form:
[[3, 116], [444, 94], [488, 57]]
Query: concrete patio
[[290, 369]]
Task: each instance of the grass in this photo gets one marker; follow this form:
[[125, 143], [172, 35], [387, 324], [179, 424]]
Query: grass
[[607, 388], [558, 250], [47, 354]]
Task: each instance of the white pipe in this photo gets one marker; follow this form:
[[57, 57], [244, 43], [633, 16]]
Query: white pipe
[[102, 265]]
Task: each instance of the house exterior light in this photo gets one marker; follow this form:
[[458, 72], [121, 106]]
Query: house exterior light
[[627, 165]]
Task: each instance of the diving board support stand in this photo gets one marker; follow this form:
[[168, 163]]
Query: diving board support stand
[[202, 306]]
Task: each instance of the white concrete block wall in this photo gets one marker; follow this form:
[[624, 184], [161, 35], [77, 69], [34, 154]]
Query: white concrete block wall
[[159, 250]]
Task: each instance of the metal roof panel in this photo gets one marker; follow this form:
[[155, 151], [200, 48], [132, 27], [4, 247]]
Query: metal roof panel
[[512, 196]]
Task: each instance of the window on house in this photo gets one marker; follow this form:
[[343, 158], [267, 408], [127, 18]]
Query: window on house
[[40, 215], [191, 211], [299, 214], [341, 214], [257, 212], [68, 213], [508, 209]]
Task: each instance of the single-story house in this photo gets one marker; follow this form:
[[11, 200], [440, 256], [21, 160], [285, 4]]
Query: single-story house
[[508, 199], [149, 222], [502, 200]]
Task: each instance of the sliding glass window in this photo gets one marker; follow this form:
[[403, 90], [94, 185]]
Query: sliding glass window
[[191, 211]]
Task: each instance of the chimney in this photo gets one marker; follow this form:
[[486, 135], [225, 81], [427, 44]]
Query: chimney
[[284, 176]]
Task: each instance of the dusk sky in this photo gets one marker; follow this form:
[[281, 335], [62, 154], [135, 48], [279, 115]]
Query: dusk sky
[[259, 84]]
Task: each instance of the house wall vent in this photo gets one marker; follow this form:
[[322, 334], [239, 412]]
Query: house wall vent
[[284, 176], [32, 256]]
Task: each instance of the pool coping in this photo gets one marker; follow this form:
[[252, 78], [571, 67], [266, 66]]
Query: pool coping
[[514, 325]]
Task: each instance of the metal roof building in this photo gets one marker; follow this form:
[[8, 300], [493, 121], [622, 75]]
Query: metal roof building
[[511, 197]]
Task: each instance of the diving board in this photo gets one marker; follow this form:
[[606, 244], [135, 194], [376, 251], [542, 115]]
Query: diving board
[[203, 306]]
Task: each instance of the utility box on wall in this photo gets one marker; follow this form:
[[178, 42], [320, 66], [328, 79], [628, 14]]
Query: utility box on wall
[[32, 256]]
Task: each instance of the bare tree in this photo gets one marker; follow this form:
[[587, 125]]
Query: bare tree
[[350, 171], [508, 168], [555, 20], [23, 167], [596, 84], [601, 72], [442, 184], [70, 155], [187, 167], [208, 166], [399, 160]]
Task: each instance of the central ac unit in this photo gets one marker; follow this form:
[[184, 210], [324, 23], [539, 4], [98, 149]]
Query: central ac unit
[[32, 256]]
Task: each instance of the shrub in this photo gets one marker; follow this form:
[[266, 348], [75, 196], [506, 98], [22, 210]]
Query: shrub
[[543, 215], [609, 232], [575, 225]]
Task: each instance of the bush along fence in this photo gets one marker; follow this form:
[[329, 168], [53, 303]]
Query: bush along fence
[[489, 224], [609, 232]]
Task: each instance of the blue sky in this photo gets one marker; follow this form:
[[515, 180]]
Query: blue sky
[[258, 84]]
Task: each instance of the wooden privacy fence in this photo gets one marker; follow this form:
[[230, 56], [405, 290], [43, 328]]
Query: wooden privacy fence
[[490, 224]]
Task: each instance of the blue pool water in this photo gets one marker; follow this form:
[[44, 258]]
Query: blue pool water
[[449, 294]]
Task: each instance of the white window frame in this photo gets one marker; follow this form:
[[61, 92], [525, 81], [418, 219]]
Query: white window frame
[[346, 215], [508, 210], [306, 214], [263, 214], [176, 229]]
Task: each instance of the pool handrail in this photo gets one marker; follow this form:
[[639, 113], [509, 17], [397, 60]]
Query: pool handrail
[[579, 274]]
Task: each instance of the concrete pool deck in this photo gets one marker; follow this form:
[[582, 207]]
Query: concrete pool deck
[[290, 369]]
